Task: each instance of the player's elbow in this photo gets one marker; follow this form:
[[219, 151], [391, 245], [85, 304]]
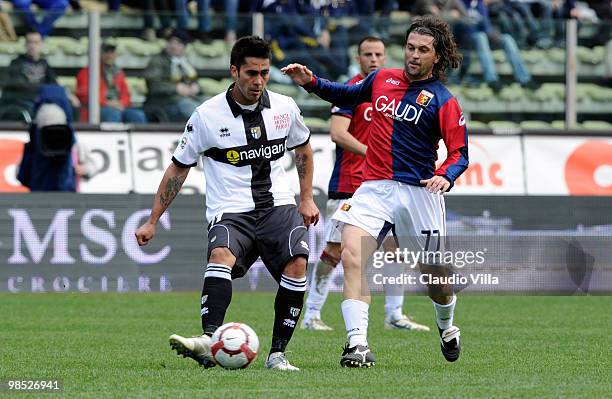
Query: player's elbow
[[336, 135]]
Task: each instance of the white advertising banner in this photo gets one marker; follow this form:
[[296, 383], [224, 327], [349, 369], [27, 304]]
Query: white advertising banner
[[499, 165], [496, 166], [151, 155], [569, 165], [111, 157]]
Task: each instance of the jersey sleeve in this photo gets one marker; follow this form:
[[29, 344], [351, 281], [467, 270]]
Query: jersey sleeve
[[191, 143], [346, 112], [454, 134], [343, 95], [299, 134]]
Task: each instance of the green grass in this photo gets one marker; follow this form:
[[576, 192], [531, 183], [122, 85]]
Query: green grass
[[113, 345]]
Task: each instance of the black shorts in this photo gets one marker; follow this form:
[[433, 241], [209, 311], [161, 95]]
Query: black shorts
[[276, 234]]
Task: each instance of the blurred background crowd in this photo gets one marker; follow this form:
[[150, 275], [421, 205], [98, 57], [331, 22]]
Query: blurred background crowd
[[159, 59]]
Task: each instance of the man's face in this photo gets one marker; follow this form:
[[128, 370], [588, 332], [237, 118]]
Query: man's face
[[108, 57], [175, 47], [33, 44], [420, 56], [371, 56], [250, 80]]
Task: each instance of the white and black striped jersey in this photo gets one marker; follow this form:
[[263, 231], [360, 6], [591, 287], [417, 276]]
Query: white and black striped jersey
[[241, 151]]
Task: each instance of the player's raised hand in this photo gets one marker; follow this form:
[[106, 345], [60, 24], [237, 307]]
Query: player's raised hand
[[299, 73], [145, 233], [309, 211], [436, 184]]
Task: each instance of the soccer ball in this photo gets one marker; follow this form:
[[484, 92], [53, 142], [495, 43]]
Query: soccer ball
[[234, 346]]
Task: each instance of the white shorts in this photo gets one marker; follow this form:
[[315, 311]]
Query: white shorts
[[416, 216], [333, 229]]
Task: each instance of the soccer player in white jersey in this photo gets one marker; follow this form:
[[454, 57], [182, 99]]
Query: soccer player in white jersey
[[241, 135], [349, 129], [402, 187]]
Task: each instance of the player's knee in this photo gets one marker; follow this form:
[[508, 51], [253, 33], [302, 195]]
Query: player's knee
[[351, 258], [223, 256], [441, 299], [296, 267]]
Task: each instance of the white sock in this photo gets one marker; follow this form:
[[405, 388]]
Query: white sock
[[444, 313], [393, 307], [355, 315], [394, 293], [317, 293]]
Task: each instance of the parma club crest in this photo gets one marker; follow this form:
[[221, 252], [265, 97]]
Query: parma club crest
[[424, 98], [256, 132]]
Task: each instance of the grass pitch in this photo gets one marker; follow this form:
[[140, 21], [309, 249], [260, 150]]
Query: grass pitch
[[116, 345]]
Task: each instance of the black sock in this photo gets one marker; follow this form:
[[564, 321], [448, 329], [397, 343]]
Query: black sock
[[216, 297], [287, 308]]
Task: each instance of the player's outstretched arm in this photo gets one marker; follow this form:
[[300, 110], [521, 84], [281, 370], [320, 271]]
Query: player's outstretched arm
[[166, 192], [304, 163], [341, 95], [300, 74]]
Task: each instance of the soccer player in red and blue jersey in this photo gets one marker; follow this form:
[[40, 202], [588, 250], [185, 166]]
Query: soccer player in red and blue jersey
[[402, 190], [349, 130]]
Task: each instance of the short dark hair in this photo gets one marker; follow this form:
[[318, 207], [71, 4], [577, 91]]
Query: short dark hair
[[444, 42], [369, 39], [180, 35], [249, 46], [32, 31]]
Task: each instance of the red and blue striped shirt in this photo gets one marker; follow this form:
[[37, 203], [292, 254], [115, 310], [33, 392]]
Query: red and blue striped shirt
[[408, 121]]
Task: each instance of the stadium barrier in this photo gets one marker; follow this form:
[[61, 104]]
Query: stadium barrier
[[516, 164]]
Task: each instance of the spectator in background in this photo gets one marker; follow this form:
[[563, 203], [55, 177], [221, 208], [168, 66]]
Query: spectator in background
[[602, 10], [369, 24], [230, 9], [7, 30], [290, 30], [53, 10], [114, 92], [249, 6], [482, 37], [172, 82], [455, 13], [536, 16], [26, 74], [164, 9], [113, 5], [333, 34]]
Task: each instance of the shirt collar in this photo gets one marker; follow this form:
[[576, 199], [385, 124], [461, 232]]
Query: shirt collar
[[264, 102], [418, 82]]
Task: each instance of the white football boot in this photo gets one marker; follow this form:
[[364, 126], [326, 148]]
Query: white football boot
[[314, 324], [197, 348], [405, 323], [278, 361]]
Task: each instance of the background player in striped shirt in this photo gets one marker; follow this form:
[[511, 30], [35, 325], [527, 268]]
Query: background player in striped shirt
[[402, 190], [349, 130]]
